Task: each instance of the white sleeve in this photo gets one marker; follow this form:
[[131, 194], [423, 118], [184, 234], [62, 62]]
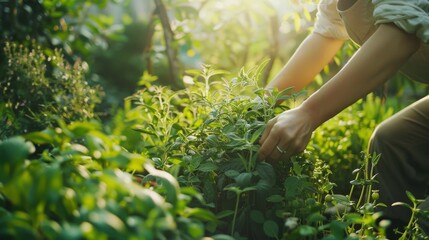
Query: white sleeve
[[328, 21]]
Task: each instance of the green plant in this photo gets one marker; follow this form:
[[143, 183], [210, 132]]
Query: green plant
[[341, 140], [36, 89], [188, 170], [206, 136], [84, 187], [413, 230]]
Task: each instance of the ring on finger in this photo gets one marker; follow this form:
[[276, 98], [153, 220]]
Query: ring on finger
[[281, 150]]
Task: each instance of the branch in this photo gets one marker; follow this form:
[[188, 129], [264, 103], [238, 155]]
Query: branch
[[169, 39], [148, 44]]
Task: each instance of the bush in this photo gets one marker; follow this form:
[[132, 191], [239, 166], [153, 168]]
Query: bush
[[206, 137], [83, 191], [37, 88], [192, 173], [343, 140]]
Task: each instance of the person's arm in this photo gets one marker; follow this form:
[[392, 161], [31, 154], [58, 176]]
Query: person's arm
[[309, 59], [378, 59]]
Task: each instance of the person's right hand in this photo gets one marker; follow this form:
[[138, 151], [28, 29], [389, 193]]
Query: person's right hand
[[287, 134]]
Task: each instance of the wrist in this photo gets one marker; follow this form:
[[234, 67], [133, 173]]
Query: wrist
[[313, 113]]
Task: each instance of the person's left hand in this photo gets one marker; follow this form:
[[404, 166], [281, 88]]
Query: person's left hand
[[287, 134]]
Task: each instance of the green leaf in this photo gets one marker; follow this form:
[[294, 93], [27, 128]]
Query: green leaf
[[168, 182], [264, 184], [337, 229], [271, 229], [40, 137], [297, 168], [14, 151], [244, 179], [315, 217], [292, 186], [411, 196], [212, 140], [200, 214], [50, 229], [104, 218], [257, 216], [358, 182], [237, 190], [401, 204], [341, 199], [224, 214], [354, 218], [248, 189], [232, 173], [195, 230], [257, 134], [275, 198], [144, 130], [375, 159], [81, 128], [207, 167], [307, 230], [70, 231], [266, 172], [222, 237]]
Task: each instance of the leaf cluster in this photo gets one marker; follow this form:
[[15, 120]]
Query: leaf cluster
[[83, 188], [37, 88]]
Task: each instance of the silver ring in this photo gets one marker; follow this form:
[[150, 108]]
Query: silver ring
[[281, 150]]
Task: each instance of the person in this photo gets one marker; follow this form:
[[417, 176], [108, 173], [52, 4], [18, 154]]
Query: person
[[393, 36]]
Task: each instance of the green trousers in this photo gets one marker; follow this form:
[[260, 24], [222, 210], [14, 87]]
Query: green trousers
[[403, 142]]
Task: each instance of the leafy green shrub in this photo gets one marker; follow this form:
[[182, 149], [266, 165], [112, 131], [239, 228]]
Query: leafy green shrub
[[78, 190], [36, 89], [206, 137], [341, 141], [192, 173]]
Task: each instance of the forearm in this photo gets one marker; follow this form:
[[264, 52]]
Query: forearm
[[313, 54], [377, 60]]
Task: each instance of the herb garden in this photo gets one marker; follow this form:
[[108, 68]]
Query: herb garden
[[100, 137]]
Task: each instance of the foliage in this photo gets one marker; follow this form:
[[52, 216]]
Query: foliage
[[73, 26], [124, 74], [206, 137], [173, 164], [341, 140], [32, 97], [78, 29], [193, 173], [80, 189]]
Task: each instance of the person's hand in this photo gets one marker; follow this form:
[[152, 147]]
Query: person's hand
[[287, 134]]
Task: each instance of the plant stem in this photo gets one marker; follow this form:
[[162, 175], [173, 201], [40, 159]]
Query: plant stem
[[410, 223], [353, 186], [250, 161], [370, 185], [235, 213]]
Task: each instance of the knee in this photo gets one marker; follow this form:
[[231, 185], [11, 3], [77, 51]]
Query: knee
[[384, 135]]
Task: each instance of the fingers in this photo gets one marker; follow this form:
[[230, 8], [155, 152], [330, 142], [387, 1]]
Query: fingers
[[267, 130], [286, 135], [273, 144], [268, 143]]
